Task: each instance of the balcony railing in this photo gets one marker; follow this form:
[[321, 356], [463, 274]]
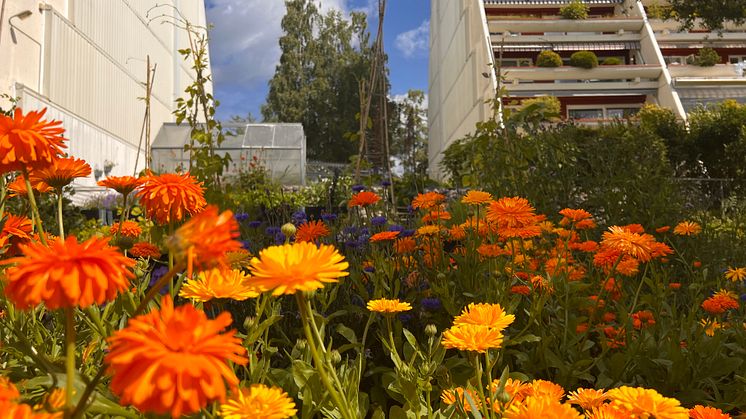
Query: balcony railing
[[614, 24]]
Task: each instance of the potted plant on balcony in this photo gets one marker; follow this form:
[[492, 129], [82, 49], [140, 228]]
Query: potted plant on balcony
[[584, 59], [612, 61], [707, 57], [548, 58], [576, 10]]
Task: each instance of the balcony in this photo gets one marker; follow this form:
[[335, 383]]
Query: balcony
[[565, 25], [720, 74], [558, 40], [604, 72]]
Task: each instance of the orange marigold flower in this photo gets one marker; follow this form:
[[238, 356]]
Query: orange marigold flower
[[702, 412], [217, 283], [587, 398], [642, 318], [427, 200], [736, 274], [456, 232], [8, 390], [18, 186], [295, 267], [586, 246], [511, 213], [259, 402], [16, 230], [469, 337], [384, 236], [647, 403], [145, 250], [122, 184], [520, 289], [434, 216], [170, 197], [457, 395], [719, 304], [639, 246], [541, 407], [492, 250], [405, 245], [61, 172], [674, 285], [387, 306], [311, 231], [517, 390], [585, 224], [206, 238], [482, 314], [687, 228], [663, 229], [546, 389], [127, 229], [363, 199], [476, 198], [628, 266], [634, 228], [173, 360], [574, 215], [28, 142], [660, 250], [67, 274], [13, 410]]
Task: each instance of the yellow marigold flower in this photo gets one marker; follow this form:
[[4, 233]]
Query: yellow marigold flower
[[702, 412], [384, 305], [457, 394], [710, 326], [687, 228], [469, 337], [735, 274], [639, 246], [546, 389], [517, 390], [587, 398], [296, 267], [217, 283], [258, 402], [429, 230], [476, 198], [541, 407], [482, 314], [647, 403]]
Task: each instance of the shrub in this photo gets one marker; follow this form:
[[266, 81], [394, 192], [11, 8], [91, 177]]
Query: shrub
[[584, 59], [548, 58], [612, 61], [549, 105], [575, 10], [707, 57]]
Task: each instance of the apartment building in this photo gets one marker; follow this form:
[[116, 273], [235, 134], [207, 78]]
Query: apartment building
[[481, 46], [85, 61]]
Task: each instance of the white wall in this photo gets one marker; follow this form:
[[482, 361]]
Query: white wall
[[459, 54]]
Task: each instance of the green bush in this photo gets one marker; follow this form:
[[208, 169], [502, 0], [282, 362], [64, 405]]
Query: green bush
[[584, 59], [707, 57], [612, 61], [548, 58], [576, 10]]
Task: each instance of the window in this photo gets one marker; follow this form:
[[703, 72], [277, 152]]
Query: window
[[586, 113], [621, 113], [675, 60], [602, 112], [737, 59]]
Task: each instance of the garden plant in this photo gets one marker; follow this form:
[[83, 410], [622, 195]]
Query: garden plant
[[470, 305]]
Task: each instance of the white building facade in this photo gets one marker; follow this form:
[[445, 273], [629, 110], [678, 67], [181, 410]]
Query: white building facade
[[643, 60], [85, 61]]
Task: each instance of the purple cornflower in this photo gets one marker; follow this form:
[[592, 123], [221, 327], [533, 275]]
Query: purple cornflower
[[378, 220]]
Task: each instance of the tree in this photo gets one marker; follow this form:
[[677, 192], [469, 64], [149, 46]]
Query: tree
[[410, 138], [714, 14], [323, 57]]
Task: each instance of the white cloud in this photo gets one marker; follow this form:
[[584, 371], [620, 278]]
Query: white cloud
[[414, 42], [244, 48]]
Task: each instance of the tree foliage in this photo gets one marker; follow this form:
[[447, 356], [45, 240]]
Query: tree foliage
[[713, 14], [316, 83]]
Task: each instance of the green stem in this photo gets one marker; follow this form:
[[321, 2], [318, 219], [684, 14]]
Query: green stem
[[35, 209], [155, 288], [320, 366], [121, 218], [391, 339], [3, 194], [59, 214], [69, 359], [480, 387]]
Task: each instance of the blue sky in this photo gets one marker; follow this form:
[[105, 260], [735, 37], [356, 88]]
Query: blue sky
[[244, 46]]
